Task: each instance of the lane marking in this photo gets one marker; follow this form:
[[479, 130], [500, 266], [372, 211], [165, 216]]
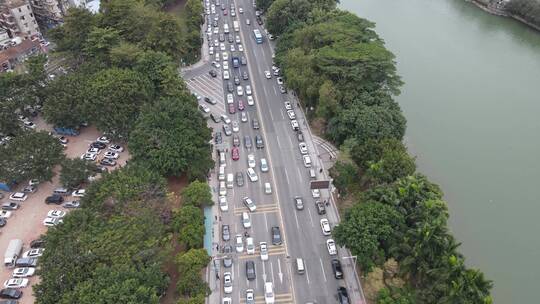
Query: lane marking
[[296, 218], [307, 272], [310, 218], [322, 267]]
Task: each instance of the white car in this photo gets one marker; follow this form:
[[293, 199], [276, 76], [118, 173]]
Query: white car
[[233, 48], [325, 227], [211, 49], [279, 80], [267, 74], [331, 246], [56, 213], [29, 125], [264, 251], [240, 48], [230, 98], [240, 91], [103, 140], [248, 90], [251, 161], [226, 300], [303, 148], [269, 293], [249, 203], [16, 283], [52, 221], [33, 253], [225, 56], [111, 155], [316, 193], [294, 125], [307, 161], [243, 117], [239, 243], [237, 39], [227, 283], [246, 220], [89, 156], [235, 127], [24, 272], [291, 114], [225, 119], [226, 75], [216, 30], [252, 175], [267, 188], [264, 165], [18, 196], [250, 245], [225, 65], [288, 105], [223, 205], [204, 108], [92, 150], [116, 148], [222, 188], [240, 10], [216, 64], [5, 214], [250, 100], [78, 193], [222, 46]]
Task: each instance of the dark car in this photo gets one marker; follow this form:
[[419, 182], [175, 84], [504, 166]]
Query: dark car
[[245, 75], [259, 20], [336, 267], [39, 243], [26, 262], [10, 293], [343, 296], [282, 89], [247, 142], [250, 270], [9, 302], [227, 249], [239, 179], [300, 136], [320, 208], [214, 118], [107, 162], [54, 199], [221, 37], [259, 142], [225, 232], [232, 108], [227, 261], [276, 236], [214, 23], [3, 222], [236, 80], [98, 145], [243, 60], [10, 206], [231, 39], [212, 73], [218, 139], [255, 123], [210, 101], [235, 141], [230, 87]]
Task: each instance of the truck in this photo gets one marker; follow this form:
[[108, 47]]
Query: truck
[[13, 252], [236, 62], [66, 131]]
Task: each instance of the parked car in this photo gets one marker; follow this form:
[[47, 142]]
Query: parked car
[[79, 193], [33, 253], [10, 206], [71, 204], [23, 272], [116, 148], [108, 162], [38, 243], [336, 268], [16, 283], [18, 196], [10, 293]]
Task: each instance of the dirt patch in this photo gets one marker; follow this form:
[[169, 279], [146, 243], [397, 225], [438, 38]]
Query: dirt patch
[[174, 7], [175, 185]]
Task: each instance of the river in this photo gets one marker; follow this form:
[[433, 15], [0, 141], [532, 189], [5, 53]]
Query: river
[[472, 101]]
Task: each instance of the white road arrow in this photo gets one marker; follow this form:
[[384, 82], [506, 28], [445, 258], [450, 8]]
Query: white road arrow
[[280, 274]]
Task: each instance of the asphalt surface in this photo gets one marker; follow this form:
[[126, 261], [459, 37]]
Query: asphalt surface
[[300, 229]]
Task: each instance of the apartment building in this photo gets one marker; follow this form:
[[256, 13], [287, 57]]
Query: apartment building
[[17, 17], [48, 12]]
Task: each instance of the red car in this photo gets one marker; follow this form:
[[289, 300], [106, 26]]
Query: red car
[[235, 153], [240, 105], [225, 13], [232, 109]]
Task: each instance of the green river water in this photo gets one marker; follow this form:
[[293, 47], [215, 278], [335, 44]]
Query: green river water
[[472, 101]]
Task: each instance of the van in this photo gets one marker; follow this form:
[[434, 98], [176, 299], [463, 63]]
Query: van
[[61, 191], [222, 159], [300, 268], [312, 173], [230, 181], [26, 262], [221, 175], [13, 251]]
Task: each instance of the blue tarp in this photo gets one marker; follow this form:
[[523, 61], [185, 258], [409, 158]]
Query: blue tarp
[[209, 233]]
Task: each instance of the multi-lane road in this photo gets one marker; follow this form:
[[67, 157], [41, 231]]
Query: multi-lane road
[[288, 176]]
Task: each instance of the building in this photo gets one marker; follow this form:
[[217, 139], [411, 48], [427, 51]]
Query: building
[[17, 17], [5, 41], [48, 12], [12, 56]]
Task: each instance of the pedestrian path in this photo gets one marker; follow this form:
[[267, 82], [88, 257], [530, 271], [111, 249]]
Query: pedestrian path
[[207, 86], [329, 148]]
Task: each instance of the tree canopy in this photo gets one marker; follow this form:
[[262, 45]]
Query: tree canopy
[[76, 171], [197, 194]]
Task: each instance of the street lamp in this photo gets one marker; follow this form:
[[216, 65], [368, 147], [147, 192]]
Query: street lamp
[[354, 258]]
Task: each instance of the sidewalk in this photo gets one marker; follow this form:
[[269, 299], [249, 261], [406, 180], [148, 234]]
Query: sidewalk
[[212, 271]]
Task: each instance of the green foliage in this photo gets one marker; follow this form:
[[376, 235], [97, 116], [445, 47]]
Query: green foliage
[[162, 73], [283, 13], [76, 171], [263, 4], [125, 55], [30, 155], [172, 138], [190, 282], [189, 223], [344, 176], [197, 194], [529, 10], [398, 296], [99, 43], [367, 229], [165, 36], [192, 260], [72, 35]]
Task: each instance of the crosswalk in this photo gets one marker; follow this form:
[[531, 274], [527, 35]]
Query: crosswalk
[[272, 250], [261, 208], [331, 150], [278, 298], [206, 86]]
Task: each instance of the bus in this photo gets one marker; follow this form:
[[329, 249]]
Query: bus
[[236, 26], [258, 36]]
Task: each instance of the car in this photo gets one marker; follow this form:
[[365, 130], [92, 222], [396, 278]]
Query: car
[[233, 13], [277, 71], [248, 22], [79, 193], [240, 48], [56, 213], [98, 145], [320, 207], [307, 161], [16, 283], [235, 153], [33, 182], [116, 148], [10, 293], [52, 221], [33, 253], [71, 204], [264, 165], [226, 75], [325, 227], [204, 108], [10, 206], [236, 80], [259, 143], [225, 56], [227, 283], [251, 161], [230, 87], [252, 175], [24, 272], [294, 124], [211, 50], [243, 60], [227, 130], [227, 261], [336, 268], [222, 46], [299, 202], [225, 233], [216, 64], [249, 203], [232, 48], [245, 76], [218, 139], [241, 106], [222, 189], [267, 74], [225, 12], [239, 243], [212, 73], [54, 199], [247, 142], [240, 10], [239, 179], [259, 20], [223, 205], [276, 236], [18, 196], [269, 293], [103, 139], [236, 141], [225, 65], [279, 79], [29, 125], [221, 36], [331, 246], [225, 119], [248, 90], [243, 117], [250, 296], [3, 222], [282, 89], [107, 162], [246, 220], [316, 193], [267, 188], [231, 39], [250, 270], [343, 296], [93, 150], [89, 156], [239, 91], [5, 214], [264, 251], [207, 100], [114, 155], [250, 246], [37, 243], [235, 127], [291, 114], [214, 118]]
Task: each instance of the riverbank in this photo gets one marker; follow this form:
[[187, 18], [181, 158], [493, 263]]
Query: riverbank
[[493, 8]]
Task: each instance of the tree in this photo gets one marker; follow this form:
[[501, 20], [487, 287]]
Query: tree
[[399, 296], [345, 176], [76, 171], [99, 43], [30, 155], [162, 73], [166, 36], [197, 194], [189, 223], [125, 55], [192, 260], [368, 229], [72, 35], [283, 13], [191, 284], [172, 138], [263, 5]]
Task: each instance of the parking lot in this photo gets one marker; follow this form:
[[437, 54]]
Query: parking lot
[[26, 223]]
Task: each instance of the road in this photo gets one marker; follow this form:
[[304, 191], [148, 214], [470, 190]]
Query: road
[[288, 176]]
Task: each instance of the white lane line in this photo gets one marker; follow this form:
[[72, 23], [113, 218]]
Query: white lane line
[[272, 271], [307, 273], [287, 177], [271, 116], [278, 144], [290, 140], [296, 218], [275, 91], [310, 218], [322, 267], [264, 89], [264, 272], [266, 222], [282, 115]]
